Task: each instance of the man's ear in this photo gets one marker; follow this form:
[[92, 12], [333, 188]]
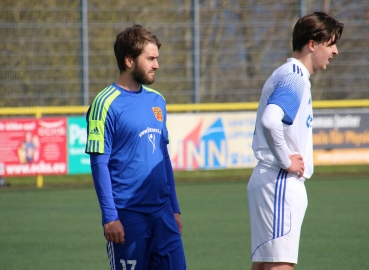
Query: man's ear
[[311, 45], [129, 61]]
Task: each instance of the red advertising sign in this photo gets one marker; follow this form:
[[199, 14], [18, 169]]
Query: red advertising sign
[[33, 146]]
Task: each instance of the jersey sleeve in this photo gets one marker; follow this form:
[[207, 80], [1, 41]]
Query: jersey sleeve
[[103, 187], [274, 134], [100, 122], [287, 94]]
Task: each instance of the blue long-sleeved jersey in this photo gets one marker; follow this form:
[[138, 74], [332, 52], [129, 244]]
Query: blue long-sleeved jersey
[[127, 141]]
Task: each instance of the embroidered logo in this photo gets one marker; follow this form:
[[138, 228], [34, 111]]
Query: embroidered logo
[[158, 113], [152, 140], [95, 131]]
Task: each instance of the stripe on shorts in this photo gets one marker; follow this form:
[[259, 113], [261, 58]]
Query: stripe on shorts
[[110, 251], [279, 202]]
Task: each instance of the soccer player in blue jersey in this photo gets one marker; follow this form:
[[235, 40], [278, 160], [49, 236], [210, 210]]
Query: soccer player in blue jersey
[[283, 145], [131, 168]]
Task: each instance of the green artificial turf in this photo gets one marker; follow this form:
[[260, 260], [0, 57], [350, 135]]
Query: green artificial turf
[[59, 227]]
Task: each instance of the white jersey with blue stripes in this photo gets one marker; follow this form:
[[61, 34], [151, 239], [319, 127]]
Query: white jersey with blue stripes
[[289, 88]]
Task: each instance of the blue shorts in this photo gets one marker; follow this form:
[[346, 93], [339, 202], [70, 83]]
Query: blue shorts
[[151, 244]]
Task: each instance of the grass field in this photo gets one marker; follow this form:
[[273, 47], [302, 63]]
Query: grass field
[[58, 226]]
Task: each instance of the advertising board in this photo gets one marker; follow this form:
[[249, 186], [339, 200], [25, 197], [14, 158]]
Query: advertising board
[[341, 137], [33, 146]]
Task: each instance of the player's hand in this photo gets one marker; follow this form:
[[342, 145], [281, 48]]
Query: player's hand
[[297, 165], [114, 232], [177, 216]]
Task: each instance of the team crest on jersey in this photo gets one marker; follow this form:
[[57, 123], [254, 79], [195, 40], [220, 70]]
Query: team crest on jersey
[[158, 113]]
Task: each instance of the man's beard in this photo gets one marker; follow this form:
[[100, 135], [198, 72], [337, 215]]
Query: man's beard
[[139, 75]]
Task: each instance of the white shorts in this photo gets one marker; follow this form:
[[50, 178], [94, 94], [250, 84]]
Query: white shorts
[[277, 205]]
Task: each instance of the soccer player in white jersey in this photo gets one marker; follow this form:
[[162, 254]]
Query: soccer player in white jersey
[[282, 144], [132, 172]]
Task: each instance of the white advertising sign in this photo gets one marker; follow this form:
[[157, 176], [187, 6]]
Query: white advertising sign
[[211, 140]]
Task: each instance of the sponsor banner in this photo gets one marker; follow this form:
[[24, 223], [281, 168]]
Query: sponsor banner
[[78, 160], [342, 156], [211, 140], [33, 146], [341, 137]]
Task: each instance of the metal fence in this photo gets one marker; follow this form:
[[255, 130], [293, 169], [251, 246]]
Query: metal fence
[[60, 53]]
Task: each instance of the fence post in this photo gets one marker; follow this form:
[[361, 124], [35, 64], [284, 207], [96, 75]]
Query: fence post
[[85, 79], [39, 181], [302, 8], [39, 178], [196, 51]]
